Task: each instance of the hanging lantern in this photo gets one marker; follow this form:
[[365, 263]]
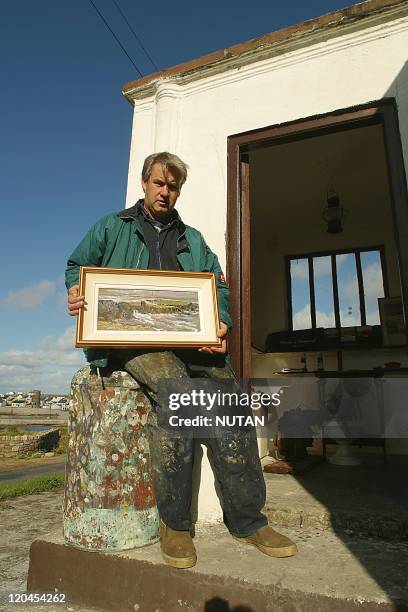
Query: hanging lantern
[[334, 214]]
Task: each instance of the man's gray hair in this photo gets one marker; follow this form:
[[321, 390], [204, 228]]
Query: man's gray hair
[[168, 161]]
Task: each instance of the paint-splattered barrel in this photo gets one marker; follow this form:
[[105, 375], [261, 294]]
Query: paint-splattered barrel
[[109, 501]]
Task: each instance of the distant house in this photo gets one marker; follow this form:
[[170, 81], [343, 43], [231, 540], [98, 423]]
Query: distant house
[[56, 403]]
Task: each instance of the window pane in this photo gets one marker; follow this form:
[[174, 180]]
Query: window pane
[[299, 275], [349, 301], [373, 284], [323, 286]]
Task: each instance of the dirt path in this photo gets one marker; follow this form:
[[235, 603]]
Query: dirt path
[[11, 464], [12, 471]]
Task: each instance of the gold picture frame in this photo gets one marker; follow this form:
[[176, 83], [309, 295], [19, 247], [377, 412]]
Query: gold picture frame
[[392, 321], [128, 308]]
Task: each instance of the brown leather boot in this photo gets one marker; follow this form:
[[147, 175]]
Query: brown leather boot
[[177, 547], [270, 542]]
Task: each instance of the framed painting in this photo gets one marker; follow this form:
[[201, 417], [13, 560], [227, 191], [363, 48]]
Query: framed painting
[[147, 308], [392, 321]]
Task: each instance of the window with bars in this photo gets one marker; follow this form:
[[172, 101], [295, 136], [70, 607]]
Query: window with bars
[[336, 289]]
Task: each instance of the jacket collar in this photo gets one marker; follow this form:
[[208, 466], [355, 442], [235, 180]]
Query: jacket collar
[[132, 213], [129, 213]]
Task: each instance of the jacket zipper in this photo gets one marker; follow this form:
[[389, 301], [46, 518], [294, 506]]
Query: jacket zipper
[[180, 237], [158, 251], [139, 255]]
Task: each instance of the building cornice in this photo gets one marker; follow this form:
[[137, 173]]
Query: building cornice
[[351, 19]]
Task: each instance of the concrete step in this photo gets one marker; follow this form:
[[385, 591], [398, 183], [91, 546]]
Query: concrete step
[[363, 501], [328, 574]]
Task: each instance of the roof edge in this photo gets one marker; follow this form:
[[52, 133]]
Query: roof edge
[[344, 16]]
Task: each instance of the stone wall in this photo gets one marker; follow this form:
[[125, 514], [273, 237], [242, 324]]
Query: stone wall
[[11, 446]]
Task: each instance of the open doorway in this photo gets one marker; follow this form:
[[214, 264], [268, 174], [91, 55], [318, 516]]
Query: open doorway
[[293, 275], [322, 245], [289, 276]]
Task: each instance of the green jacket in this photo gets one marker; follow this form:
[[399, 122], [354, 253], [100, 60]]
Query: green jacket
[[116, 241]]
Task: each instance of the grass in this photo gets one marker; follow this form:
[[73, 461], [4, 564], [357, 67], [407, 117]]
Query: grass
[[169, 303], [62, 442], [32, 486], [13, 432], [34, 455]]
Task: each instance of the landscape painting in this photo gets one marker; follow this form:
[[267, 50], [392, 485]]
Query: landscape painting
[[147, 310]]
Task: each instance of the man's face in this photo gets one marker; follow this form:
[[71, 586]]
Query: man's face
[[161, 192]]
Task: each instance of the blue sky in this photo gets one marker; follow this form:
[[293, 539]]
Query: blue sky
[[349, 301], [65, 136]]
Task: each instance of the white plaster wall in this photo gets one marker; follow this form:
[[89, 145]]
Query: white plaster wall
[[194, 120]]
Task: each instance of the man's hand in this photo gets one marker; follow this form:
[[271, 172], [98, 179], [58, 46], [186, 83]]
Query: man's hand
[[75, 301], [221, 333]]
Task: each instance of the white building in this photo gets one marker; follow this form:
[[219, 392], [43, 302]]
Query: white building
[[268, 128]]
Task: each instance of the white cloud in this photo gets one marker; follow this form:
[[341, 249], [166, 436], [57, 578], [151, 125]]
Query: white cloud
[[373, 281], [350, 320], [341, 259], [349, 304], [62, 297], [301, 318], [349, 288], [325, 319], [49, 367], [29, 297], [65, 342], [322, 266], [373, 289], [349, 298], [299, 268]]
